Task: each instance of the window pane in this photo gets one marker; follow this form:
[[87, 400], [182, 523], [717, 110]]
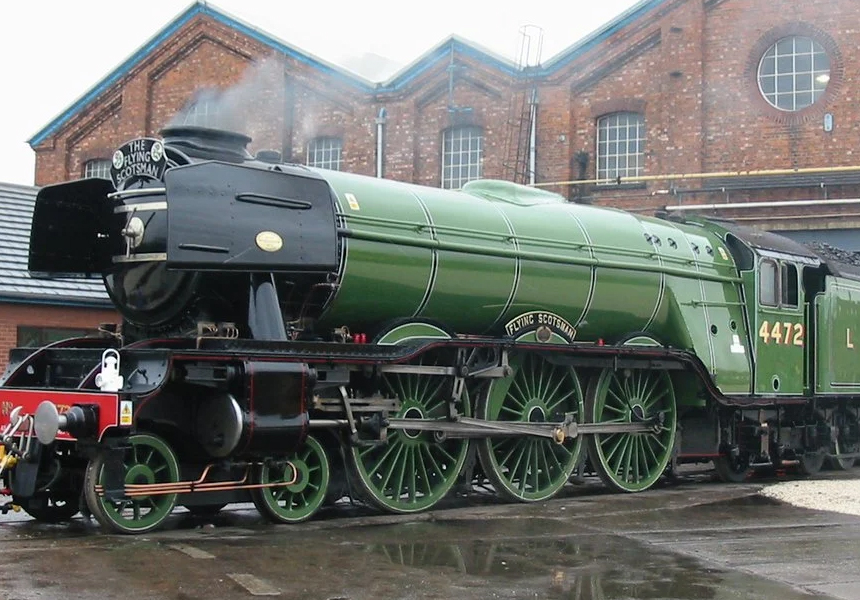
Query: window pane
[[99, 167], [202, 112], [34, 337], [784, 84], [789, 285], [821, 62], [785, 46], [325, 153], [802, 45], [785, 102], [785, 64], [462, 155], [622, 155], [767, 283]]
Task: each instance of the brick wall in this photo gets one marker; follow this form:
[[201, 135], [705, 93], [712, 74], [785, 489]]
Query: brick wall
[[14, 315], [688, 65]]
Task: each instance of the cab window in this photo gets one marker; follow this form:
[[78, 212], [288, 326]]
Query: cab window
[[768, 283], [789, 285]]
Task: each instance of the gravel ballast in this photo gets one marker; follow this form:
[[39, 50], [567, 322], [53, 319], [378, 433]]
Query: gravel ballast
[[842, 496]]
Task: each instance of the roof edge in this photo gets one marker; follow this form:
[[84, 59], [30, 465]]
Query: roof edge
[[598, 35], [453, 42], [117, 73], [35, 299], [199, 7]]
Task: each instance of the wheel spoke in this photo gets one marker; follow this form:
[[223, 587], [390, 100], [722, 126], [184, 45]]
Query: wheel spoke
[[653, 400], [395, 461], [392, 447], [520, 398], [551, 407], [624, 444]]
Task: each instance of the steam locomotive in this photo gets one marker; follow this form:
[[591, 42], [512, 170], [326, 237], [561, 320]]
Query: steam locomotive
[[291, 336]]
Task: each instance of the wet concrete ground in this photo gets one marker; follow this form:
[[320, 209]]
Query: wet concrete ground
[[694, 540]]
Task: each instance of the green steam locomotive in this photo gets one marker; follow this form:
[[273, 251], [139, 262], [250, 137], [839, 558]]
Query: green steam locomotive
[[291, 336]]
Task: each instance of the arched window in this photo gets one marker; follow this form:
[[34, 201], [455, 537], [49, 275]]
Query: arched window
[[325, 153], [793, 73], [620, 145], [98, 167], [462, 156]]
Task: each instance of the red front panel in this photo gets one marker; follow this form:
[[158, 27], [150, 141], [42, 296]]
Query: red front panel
[[30, 400]]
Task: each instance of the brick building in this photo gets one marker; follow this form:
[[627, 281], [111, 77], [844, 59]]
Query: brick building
[[668, 87]]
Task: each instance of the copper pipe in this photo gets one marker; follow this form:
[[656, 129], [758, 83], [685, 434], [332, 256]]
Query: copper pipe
[[133, 490]]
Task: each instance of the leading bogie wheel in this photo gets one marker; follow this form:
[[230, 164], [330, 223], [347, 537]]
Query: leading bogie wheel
[[52, 508], [144, 459], [528, 468], [300, 484], [631, 461]]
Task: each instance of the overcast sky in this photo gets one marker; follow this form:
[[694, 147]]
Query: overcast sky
[[53, 51]]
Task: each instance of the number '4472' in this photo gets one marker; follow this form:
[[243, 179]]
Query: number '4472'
[[782, 333]]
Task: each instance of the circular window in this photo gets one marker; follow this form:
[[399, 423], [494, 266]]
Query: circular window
[[793, 73]]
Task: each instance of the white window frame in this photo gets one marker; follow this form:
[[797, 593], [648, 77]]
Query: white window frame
[[203, 112], [462, 156], [793, 73], [325, 153], [97, 167], [620, 146]]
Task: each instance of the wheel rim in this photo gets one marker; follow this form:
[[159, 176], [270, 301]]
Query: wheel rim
[[529, 468], [147, 460], [300, 500], [632, 462], [811, 462], [732, 468], [413, 470]]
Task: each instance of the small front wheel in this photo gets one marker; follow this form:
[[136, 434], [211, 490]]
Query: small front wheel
[[145, 460], [50, 508], [297, 501]]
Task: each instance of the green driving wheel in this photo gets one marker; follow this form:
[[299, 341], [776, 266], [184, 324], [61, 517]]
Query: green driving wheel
[[529, 468], [413, 470], [631, 462], [297, 501], [146, 459]]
